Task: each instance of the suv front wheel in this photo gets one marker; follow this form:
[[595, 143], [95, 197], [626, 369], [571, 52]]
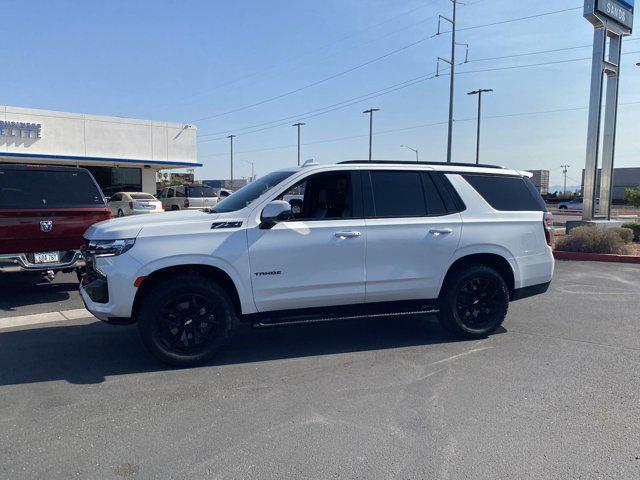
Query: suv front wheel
[[474, 302], [185, 320]]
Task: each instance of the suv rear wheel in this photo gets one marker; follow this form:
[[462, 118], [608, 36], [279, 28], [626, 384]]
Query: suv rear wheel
[[185, 320], [474, 302]]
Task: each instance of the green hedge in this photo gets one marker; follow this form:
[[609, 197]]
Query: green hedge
[[635, 227]]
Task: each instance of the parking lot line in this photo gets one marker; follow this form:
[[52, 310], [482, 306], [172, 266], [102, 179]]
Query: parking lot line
[[40, 318]]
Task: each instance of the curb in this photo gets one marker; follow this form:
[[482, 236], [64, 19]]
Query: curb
[[596, 257], [43, 318]]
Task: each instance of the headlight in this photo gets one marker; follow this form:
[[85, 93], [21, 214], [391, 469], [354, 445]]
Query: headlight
[[110, 248]]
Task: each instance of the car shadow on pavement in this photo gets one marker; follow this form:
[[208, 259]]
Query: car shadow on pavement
[[88, 353], [22, 289]]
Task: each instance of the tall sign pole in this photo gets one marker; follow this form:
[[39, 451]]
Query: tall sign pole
[[612, 20]]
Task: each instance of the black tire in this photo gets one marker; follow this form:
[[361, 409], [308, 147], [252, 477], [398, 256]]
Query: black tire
[[120, 213], [474, 302], [185, 320], [562, 208], [174, 208]]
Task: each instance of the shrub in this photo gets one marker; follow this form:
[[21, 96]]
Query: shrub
[[626, 234], [633, 196], [635, 227], [592, 240]]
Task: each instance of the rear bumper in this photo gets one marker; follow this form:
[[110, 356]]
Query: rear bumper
[[531, 291], [19, 262], [145, 212]]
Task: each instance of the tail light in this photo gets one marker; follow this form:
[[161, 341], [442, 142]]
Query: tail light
[[186, 203], [547, 223], [131, 205]]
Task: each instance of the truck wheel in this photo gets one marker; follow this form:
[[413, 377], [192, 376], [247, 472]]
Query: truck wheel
[[174, 208], [185, 320], [474, 302]]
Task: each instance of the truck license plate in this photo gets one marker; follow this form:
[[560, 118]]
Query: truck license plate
[[47, 257]]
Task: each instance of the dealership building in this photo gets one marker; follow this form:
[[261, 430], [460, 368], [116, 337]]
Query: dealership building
[[123, 154]]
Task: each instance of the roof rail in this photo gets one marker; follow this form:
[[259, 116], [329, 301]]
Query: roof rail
[[406, 162]]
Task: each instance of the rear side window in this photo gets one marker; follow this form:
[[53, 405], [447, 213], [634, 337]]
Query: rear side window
[[48, 189], [200, 192], [397, 194], [506, 193]]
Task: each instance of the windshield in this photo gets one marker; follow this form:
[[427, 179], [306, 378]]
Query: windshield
[[248, 193]]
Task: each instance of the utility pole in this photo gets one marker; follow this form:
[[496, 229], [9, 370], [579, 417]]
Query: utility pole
[[231, 137], [564, 172], [414, 150], [479, 92], [298, 125], [370, 112], [452, 63]]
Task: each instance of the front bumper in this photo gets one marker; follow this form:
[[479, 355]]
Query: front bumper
[[22, 262]]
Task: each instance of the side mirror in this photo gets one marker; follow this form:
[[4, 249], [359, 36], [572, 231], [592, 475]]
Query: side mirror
[[274, 212]]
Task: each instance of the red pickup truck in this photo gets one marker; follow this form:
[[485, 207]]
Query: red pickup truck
[[44, 211]]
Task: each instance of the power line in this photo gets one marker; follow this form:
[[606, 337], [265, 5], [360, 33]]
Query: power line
[[414, 127], [369, 62], [323, 47], [317, 82], [385, 91]]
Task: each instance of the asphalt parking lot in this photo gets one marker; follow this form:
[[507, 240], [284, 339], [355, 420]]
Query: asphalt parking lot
[[554, 395]]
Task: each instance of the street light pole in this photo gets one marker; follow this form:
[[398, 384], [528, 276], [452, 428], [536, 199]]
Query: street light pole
[[415, 150], [370, 112], [479, 93], [564, 171], [231, 137], [298, 125], [252, 170]]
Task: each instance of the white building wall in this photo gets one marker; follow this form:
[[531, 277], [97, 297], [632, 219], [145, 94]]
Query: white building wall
[[82, 135], [149, 180]]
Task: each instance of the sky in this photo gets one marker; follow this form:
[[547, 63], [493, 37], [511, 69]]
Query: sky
[[253, 68]]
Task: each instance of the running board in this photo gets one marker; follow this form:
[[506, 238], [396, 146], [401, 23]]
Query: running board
[[309, 321]]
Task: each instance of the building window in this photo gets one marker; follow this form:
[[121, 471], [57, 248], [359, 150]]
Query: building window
[[117, 179]]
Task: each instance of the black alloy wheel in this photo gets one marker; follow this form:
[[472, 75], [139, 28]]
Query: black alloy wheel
[[474, 301], [185, 319], [478, 302], [187, 323]]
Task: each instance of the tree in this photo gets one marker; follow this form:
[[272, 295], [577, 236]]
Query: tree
[[633, 196]]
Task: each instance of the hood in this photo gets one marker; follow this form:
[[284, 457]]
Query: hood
[[130, 227]]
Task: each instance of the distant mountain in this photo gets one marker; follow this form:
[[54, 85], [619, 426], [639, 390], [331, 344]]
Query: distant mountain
[[558, 188]]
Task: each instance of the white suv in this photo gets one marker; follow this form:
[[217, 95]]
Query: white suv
[[370, 239]]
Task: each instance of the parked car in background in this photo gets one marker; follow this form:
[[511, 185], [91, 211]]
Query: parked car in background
[[370, 238], [575, 204], [224, 193], [44, 211], [134, 203], [186, 197]]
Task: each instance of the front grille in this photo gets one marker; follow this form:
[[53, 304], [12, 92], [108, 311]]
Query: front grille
[[89, 268]]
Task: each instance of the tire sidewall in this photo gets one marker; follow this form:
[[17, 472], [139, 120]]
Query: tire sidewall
[[153, 302], [449, 313]]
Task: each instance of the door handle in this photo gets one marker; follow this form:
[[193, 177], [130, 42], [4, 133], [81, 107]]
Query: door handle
[[436, 232], [347, 234]]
